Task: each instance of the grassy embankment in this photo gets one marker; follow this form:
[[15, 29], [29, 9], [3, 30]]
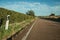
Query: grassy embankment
[[17, 22]]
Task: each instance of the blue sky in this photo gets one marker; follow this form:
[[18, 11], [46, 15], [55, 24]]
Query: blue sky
[[40, 7]]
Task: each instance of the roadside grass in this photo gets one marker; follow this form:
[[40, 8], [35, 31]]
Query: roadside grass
[[13, 28]]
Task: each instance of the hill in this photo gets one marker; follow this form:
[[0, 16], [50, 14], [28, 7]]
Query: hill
[[18, 21], [14, 16]]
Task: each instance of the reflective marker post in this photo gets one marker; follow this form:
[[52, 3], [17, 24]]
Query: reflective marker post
[[7, 22]]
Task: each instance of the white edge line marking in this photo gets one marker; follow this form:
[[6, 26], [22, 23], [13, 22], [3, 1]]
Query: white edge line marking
[[24, 38]]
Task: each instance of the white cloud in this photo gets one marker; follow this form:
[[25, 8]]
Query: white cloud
[[40, 9]]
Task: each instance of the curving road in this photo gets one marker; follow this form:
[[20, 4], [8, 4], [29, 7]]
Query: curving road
[[44, 30]]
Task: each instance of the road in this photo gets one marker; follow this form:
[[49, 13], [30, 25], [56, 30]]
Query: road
[[44, 30]]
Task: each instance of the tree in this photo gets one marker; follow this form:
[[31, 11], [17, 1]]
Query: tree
[[30, 12], [52, 14]]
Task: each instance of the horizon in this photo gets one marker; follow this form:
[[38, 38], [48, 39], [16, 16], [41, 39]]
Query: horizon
[[40, 7]]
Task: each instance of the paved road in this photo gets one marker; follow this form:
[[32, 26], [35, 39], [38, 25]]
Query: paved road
[[45, 30]]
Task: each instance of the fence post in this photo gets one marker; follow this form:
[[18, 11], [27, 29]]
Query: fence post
[[7, 22]]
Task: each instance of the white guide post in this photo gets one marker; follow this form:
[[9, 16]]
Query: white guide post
[[7, 22]]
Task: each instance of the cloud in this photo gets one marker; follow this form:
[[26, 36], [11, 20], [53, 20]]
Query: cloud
[[39, 9]]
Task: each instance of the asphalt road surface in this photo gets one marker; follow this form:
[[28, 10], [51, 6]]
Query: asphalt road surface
[[45, 30]]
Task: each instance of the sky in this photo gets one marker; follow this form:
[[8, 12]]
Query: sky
[[40, 7]]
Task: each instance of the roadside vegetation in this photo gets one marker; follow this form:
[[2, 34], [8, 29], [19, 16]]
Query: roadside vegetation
[[51, 17], [16, 23]]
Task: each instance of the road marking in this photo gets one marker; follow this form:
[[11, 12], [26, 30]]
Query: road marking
[[24, 38]]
